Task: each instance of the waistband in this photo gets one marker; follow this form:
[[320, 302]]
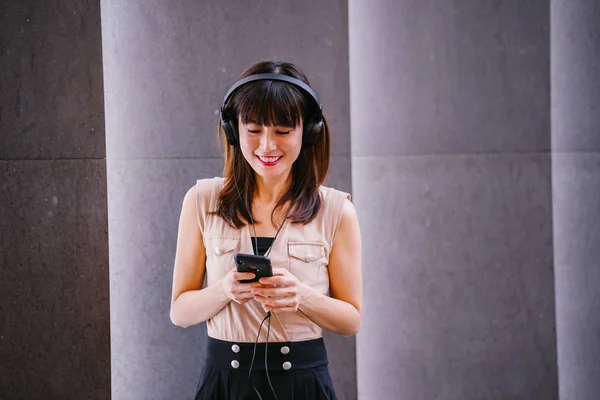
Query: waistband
[[280, 355]]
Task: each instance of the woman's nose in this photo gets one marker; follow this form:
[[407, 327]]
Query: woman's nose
[[267, 141]]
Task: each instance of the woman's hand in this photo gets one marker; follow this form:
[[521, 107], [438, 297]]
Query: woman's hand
[[279, 293], [239, 292]]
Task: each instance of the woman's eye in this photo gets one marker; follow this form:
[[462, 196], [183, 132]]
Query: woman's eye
[[278, 132]]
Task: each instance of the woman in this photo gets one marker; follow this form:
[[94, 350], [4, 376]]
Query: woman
[[270, 200]]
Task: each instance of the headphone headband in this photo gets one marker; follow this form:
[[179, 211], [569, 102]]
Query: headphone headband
[[273, 77]]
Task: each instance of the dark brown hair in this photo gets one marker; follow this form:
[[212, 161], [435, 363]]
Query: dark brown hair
[[273, 103]]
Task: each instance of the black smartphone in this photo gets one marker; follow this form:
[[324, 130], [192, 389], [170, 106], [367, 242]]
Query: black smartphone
[[259, 265]]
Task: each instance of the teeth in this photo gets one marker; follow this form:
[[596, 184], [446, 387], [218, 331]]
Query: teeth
[[269, 159]]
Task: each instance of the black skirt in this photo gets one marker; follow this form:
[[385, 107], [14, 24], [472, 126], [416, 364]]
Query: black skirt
[[296, 370]]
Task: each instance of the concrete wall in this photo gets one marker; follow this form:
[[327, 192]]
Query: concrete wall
[[450, 122], [473, 164], [167, 66], [575, 40], [54, 311]]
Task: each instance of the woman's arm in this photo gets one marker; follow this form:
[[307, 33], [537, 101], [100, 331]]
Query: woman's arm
[[191, 305], [340, 313]]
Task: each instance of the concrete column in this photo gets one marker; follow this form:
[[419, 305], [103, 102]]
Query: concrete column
[[575, 39], [167, 68], [54, 311], [450, 118]]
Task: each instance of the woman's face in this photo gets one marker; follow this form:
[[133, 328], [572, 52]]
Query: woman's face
[[270, 150]]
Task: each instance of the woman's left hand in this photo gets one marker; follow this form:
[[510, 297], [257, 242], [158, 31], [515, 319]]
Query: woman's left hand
[[278, 293]]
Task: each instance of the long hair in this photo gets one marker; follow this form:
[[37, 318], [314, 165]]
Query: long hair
[[273, 103]]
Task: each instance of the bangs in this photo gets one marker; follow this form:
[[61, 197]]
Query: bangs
[[270, 103]]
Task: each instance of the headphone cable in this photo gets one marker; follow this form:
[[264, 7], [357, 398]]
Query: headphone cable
[[268, 316], [266, 366]]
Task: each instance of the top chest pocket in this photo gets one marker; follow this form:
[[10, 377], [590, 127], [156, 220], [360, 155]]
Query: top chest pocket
[[219, 256], [308, 262]]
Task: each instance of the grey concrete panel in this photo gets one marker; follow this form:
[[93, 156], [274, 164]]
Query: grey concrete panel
[[575, 38], [446, 77], [169, 64], [54, 302], [162, 100], [51, 100], [576, 194], [151, 358], [341, 353], [339, 175], [458, 278], [575, 60]]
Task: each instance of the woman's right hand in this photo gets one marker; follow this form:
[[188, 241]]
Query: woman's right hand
[[241, 293]]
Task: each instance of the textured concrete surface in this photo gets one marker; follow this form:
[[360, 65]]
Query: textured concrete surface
[[450, 118], [167, 67]]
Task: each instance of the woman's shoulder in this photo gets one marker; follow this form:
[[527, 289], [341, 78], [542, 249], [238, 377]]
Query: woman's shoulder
[[204, 187], [202, 191], [329, 194], [334, 201], [200, 198], [217, 180], [335, 205]]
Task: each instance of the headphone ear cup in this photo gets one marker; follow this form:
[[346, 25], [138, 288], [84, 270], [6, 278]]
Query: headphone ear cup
[[229, 128], [312, 132], [230, 133]]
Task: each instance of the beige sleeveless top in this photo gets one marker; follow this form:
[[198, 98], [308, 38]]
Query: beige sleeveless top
[[301, 249]]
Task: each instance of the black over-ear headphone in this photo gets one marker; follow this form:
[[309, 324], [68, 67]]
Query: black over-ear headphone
[[312, 126]]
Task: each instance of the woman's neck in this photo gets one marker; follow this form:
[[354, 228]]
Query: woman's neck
[[271, 190]]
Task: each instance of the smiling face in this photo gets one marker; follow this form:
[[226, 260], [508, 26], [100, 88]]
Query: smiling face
[[270, 150]]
